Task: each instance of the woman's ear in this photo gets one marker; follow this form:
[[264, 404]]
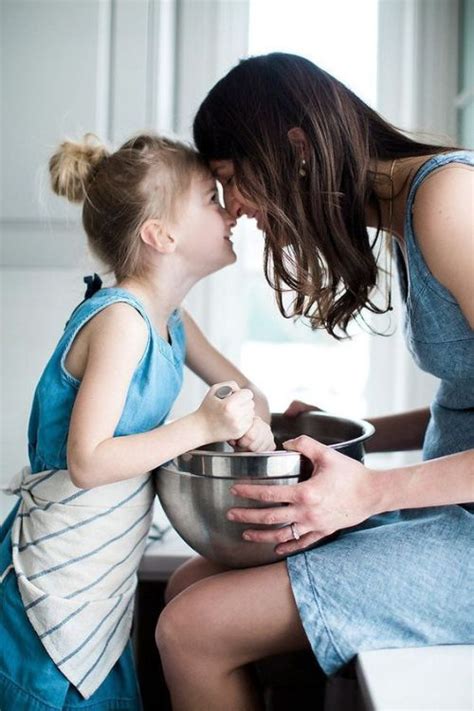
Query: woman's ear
[[155, 235], [298, 140]]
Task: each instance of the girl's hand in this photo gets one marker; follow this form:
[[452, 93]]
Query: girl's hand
[[341, 493], [259, 438], [297, 407], [229, 418]]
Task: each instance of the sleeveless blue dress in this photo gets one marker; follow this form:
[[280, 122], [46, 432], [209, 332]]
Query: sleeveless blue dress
[[405, 578], [29, 679]]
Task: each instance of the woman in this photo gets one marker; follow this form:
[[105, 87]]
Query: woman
[[315, 166]]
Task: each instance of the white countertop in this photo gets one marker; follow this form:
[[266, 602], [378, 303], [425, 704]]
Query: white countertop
[[418, 679]]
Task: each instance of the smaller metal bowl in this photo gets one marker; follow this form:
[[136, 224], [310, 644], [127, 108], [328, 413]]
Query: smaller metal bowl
[[194, 488]]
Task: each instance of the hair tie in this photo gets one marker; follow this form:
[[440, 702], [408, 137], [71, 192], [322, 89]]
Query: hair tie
[[94, 283]]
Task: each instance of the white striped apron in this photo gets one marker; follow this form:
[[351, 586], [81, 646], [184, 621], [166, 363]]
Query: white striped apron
[[76, 553]]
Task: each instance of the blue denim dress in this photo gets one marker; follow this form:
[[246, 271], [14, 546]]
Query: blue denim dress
[[29, 680], [406, 578]]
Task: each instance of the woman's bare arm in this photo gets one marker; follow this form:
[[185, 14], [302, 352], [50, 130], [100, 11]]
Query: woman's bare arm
[[393, 433], [399, 433], [437, 482]]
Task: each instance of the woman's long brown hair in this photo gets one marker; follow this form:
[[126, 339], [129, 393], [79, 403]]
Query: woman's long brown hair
[[316, 239]]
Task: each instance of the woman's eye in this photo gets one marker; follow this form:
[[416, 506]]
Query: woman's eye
[[227, 181]]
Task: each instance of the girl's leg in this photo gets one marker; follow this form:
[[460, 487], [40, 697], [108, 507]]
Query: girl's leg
[[190, 572], [213, 629]]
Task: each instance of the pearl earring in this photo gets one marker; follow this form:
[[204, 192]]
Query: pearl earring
[[302, 170]]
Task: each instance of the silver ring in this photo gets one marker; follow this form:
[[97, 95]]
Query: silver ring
[[295, 532]]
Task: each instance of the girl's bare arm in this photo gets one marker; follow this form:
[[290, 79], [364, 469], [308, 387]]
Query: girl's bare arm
[[116, 341]]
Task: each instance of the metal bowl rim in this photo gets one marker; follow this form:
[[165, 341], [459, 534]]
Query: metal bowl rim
[[213, 453], [174, 469]]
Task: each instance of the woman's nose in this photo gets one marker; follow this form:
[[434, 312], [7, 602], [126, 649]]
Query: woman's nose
[[232, 205], [230, 218]]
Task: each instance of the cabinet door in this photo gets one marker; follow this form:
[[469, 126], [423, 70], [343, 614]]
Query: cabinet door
[[69, 68]]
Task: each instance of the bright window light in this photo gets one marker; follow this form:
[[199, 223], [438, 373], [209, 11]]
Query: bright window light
[[287, 360], [340, 36]]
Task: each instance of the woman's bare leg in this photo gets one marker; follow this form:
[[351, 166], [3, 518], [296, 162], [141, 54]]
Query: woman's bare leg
[[213, 629], [190, 572]]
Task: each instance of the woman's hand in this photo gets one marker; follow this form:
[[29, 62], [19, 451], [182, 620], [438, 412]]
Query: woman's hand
[[259, 438], [340, 493], [229, 418], [297, 407]]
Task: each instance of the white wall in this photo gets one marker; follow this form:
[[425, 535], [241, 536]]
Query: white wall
[[35, 306]]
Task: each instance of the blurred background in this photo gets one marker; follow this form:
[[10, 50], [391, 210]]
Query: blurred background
[[114, 67]]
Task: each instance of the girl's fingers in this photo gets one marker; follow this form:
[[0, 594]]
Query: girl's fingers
[[280, 515]]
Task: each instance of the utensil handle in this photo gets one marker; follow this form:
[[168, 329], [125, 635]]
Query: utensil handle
[[223, 392]]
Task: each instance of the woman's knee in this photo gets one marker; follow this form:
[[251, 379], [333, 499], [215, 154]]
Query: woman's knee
[[177, 630], [189, 573], [191, 623]]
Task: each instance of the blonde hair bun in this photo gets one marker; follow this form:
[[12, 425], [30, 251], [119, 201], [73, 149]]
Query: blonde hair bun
[[74, 164]]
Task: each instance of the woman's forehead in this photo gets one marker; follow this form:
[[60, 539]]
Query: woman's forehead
[[220, 167]]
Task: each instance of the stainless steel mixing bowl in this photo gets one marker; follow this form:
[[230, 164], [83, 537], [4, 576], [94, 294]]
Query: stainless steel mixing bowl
[[194, 488]]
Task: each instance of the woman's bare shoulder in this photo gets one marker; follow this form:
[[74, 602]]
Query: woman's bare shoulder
[[443, 221]]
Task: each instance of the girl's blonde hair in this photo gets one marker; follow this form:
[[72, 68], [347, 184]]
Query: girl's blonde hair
[[143, 179]]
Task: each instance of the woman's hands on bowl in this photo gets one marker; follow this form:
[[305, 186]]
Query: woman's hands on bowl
[[341, 493]]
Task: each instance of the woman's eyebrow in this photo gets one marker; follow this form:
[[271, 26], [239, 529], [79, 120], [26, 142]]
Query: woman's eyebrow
[[221, 169]]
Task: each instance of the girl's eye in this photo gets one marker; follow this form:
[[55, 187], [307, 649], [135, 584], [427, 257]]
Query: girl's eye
[[215, 197]]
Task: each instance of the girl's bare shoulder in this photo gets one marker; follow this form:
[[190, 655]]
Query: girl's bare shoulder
[[118, 328]]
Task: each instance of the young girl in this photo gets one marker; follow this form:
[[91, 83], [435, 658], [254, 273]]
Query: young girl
[[71, 547]]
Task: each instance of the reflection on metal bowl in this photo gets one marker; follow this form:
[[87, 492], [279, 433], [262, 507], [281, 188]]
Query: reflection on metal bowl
[[194, 488]]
